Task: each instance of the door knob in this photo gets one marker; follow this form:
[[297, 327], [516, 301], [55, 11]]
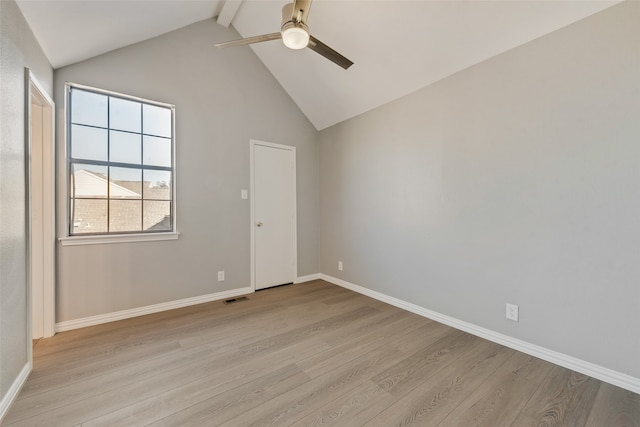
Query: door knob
[[258, 224]]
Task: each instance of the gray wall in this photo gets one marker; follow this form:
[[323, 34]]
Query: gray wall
[[516, 180], [223, 99], [18, 49]]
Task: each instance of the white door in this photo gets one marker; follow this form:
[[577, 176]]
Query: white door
[[273, 192]]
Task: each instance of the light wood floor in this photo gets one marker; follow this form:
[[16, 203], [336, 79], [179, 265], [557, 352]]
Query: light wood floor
[[302, 355]]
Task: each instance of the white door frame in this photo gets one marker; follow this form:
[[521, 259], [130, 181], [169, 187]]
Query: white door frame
[[252, 145], [41, 322]]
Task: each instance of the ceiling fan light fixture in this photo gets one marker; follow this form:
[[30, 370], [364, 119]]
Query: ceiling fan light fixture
[[294, 32], [295, 37]]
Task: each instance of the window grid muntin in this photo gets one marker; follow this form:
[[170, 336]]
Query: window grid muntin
[[108, 164]]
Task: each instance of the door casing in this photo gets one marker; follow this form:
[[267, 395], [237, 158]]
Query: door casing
[[40, 208]]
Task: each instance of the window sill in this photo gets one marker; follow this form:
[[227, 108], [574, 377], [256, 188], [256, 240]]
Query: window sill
[[120, 238]]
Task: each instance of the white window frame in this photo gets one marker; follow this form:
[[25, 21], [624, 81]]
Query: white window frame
[[91, 239]]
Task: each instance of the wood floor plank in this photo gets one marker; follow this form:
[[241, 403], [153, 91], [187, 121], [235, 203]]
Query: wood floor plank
[[564, 398], [225, 406], [288, 407], [410, 372], [93, 348], [312, 354], [501, 398], [282, 320], [86, 371], [347, 375], [434, 399], [361, 344], [207, 370], [193, 359], [615, 407], [346, 409], [201, 400], [31, 404], [300, 334]]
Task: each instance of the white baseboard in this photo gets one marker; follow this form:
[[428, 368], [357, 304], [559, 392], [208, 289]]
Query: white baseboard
[[141, 311], [307, 278], [13, 391], [596, 371]]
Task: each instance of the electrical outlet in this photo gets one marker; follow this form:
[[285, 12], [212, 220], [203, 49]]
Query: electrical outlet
[[512, 312], [340, 265], [221, 276], [244, 194]]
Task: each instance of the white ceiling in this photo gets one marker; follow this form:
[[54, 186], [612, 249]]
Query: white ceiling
[[397, 46]]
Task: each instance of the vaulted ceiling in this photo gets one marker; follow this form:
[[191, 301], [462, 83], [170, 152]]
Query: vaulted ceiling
[[397, 46]]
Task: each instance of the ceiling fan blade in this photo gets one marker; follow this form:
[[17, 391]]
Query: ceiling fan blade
[[301, 9], [250, 40], [324, 50]]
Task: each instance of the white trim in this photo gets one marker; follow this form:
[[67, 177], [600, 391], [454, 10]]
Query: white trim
[[149, 309], [117, 238], [42, 95], [252, 144], [46, 317], [252, 216], [596, 371], [49, 224], [29, 214], [308, 278], [14, 390]]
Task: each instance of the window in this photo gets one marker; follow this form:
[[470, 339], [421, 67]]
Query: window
[[120, 163]]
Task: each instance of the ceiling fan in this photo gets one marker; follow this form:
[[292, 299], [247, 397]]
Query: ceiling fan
[[294, 33]]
